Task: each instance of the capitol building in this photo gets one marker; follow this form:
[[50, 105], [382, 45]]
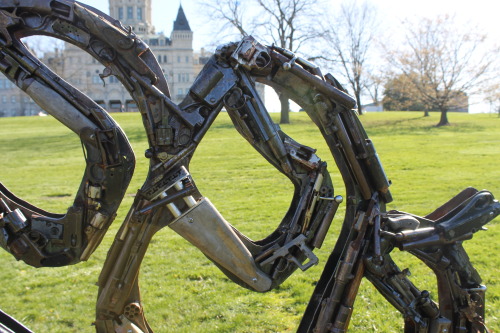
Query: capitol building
[[175, 55]]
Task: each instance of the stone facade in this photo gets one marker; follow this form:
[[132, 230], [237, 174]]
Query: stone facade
[[15, 102], [175, 55]]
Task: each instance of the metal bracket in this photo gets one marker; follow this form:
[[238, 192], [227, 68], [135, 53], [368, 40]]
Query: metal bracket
[[284, 252]]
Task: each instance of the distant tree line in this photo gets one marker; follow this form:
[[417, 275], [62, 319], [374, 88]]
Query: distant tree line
[[401, 94]]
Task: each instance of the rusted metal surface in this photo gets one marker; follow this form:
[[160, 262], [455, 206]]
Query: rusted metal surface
[[169, 196]]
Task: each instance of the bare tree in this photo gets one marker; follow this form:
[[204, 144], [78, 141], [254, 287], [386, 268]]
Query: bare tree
[[445, 63], [289, 23], [375, 84], [351, 37], [286, 23], [229, 13], [492, 94]]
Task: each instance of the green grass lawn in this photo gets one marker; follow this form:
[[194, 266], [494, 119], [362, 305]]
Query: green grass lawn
[[182, 291]]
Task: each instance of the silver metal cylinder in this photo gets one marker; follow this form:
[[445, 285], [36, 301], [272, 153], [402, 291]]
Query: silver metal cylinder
[[60, 108]]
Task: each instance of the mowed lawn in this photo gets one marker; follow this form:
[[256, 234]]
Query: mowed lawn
[[182, 291]]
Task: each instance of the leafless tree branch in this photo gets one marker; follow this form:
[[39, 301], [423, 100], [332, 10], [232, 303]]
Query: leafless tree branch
[[351, 37], [444, 62]]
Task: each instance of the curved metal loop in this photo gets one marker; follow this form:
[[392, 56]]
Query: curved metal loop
[[169, 196], [31, 234]]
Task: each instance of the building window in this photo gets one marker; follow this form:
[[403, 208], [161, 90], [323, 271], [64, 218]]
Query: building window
[[165, 59], [183, 77], [115, 106], [159, 59], [4, 99], [178, 58], [139, 13], [2, 83], [120, 13], [179, 91], [13, 99], [96, 79], [130, 13], [187, 59]]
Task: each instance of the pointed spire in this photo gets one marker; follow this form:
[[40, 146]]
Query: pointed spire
[[181, 23]]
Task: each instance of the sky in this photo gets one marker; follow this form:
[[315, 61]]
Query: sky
[[480, 13], [483, 13]]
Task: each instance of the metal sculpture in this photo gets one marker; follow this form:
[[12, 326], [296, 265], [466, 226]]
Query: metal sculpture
[[169, 196]]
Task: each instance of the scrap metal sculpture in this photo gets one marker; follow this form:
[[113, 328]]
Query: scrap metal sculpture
[[169, 196]]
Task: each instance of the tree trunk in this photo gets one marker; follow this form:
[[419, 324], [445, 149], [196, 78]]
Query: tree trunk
[[358, 101], [285, 109], [426, 113], [444, 119]]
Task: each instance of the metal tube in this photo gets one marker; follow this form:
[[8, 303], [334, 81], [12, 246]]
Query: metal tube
[[59, 107], [322, 87], [189, 200], [327, 221], [185, 193], [171, 207], [347, 148]]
